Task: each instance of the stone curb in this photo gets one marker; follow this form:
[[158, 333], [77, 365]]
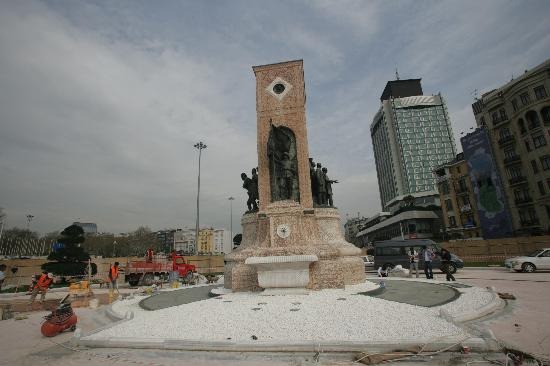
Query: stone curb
[[494, 305], [454, 344]]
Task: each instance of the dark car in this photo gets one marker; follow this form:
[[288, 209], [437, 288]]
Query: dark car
[[390, 253]]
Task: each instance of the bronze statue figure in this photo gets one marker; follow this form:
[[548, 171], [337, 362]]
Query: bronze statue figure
[[328, 184], [283, 164], [321, 186], [252, 190], [314, 184]]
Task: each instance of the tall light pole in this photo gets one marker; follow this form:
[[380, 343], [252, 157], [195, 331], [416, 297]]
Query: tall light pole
[[231, 199], [29, 219], [200, 146]]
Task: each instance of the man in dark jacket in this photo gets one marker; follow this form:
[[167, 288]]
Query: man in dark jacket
[[445, 261]]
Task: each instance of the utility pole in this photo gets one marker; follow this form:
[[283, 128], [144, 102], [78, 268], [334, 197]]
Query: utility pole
[[199, 146], [231, 199]]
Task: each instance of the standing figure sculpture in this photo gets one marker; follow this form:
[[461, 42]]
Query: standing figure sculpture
[[321, 186], [314, 184], [283, 171], [252, 190], [328, 184]]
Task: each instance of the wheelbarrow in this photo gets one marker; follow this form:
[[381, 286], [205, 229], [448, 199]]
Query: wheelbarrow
[[60, 319]]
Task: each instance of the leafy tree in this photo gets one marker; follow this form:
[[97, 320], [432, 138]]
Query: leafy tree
[[71, 259]]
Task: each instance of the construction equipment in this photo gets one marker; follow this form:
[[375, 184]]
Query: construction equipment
[[144, 272], [60, 319]]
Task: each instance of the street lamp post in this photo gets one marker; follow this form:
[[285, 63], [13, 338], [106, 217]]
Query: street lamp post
[[114, 249], [29, 219], [231, 199], [200, 146]]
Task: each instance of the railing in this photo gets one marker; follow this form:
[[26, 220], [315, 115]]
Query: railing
[[532, 222], [506, 140], [518, 180], [512, 159], [523, 200]]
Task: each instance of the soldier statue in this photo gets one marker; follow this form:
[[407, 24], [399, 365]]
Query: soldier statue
[[321, 186], [328, 184], [314, 184], [252, 190]]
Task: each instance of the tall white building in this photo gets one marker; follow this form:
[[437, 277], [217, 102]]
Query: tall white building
[[223, 243], [411, 135], [184, 240]]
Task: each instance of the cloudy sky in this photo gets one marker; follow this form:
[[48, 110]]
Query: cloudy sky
[[102, 101]]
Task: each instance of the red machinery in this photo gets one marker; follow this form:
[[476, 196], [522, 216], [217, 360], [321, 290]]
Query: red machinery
[[144, 272], [60, 319]]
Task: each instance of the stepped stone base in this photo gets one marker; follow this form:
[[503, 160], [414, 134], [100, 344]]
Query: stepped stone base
[[312, 232]]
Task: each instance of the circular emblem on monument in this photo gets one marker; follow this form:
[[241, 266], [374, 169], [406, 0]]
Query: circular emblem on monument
[[283, 231], [278, 88]]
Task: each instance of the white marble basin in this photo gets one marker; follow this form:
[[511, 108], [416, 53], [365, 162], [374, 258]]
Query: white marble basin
[[282, 272]]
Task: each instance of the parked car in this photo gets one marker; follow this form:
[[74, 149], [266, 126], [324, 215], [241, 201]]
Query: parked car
[[368, 261], [539, 259], [390, 253]]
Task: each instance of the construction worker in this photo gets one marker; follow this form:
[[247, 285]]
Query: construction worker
[[42, 285], [149, 257], [113, 275]]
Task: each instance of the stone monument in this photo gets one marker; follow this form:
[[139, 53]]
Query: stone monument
[[288, 244]]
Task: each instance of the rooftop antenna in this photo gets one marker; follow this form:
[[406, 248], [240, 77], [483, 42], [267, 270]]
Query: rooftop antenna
[[396, 73]]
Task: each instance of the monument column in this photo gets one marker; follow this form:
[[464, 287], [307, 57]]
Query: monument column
[[280, 102]]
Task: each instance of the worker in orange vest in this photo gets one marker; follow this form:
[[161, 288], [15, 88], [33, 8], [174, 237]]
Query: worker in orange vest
[[149, 257], [42, 285], [113, 275]]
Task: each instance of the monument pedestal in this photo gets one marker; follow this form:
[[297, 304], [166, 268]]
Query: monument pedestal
[[285, 229]]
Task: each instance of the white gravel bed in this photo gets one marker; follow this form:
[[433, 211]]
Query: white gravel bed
[[471, 299], [326, 315]]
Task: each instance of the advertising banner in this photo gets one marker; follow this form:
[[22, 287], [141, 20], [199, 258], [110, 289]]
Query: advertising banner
[[487, 186]]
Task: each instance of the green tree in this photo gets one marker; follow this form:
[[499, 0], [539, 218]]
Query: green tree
[[71, 259]]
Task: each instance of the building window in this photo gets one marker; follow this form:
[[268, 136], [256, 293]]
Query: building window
[[525, 98], [452, 221], [504, 132], [545, 162], [445, 187], [503, 116], [541, 188], [515, 105], [515, 172], [527, 145], [449, 205], [545, 112], [539, 141], [534, 166], [509, 154], [522, 194], [494, 117], [532, 119], [521, 125], [540, 92]]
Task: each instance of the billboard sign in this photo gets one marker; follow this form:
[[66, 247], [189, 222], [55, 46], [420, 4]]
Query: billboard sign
[[487, 186]]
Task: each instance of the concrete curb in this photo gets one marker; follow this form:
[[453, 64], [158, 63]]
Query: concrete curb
[[494, 305], [454, 344]]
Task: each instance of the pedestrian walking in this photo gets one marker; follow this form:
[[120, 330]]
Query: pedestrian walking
[[445, 261], [42, 286], [413, 259], [113, 275], [428, 255], [2, 274]]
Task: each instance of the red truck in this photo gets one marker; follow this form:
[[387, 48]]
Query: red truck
[[144, 272]]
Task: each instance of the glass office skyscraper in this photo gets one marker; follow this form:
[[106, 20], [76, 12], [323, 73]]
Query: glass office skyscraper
[[411, 135]]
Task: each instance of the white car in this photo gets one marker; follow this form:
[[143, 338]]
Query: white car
[[539, 259]]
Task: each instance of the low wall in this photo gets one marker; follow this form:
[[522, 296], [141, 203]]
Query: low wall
[[29, 267], [496, 250]]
